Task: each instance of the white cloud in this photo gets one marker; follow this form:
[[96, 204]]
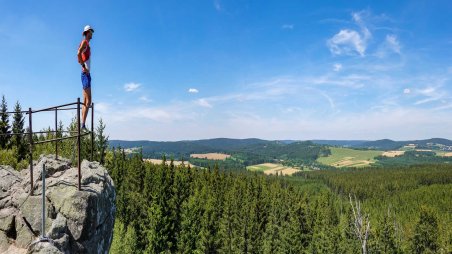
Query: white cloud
[[359, 17], [130, 87], [203, 103], [102, 107], [431, 94], [337, 67], [393, 43], [347, 42], [193, 90], [406, 91], [287, 26], [144, 99], [389, 46]]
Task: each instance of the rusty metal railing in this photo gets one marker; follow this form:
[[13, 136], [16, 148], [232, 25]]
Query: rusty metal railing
[[78, 135]]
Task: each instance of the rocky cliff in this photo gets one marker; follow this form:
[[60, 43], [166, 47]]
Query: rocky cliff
[[76, 221]]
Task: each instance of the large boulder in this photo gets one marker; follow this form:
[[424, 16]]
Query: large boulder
[[76, 221]]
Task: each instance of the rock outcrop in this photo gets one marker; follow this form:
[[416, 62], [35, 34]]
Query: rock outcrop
[[76, 221]]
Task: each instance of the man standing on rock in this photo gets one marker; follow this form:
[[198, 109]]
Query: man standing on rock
[[84, 58]]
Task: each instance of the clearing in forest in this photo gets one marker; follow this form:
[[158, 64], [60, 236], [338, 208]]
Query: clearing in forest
[[393, 153], [211, 156], [272, 169], [346, 157]]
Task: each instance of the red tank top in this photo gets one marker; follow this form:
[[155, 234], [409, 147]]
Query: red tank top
[[86, 53]]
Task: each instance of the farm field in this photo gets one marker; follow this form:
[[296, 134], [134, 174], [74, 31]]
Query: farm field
[[273, 169], [211, 156], [443, 153], [393, 153], [346, 157]]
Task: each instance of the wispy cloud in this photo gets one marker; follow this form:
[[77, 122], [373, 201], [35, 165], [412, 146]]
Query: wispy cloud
[[393, 43], [144, 99], [203, 103], [431, 94], [347, 42], [337, 67], [350, 41], [130, 87], [287, 27], [193, 90], [406, 91], [217, 5]]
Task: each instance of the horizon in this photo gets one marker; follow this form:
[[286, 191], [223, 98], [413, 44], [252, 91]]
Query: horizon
[[295, 140], [199, 70]]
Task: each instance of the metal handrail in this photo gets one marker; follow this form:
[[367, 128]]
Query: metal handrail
[[59, 139], [46, 109], [78, 136], [37, 132]]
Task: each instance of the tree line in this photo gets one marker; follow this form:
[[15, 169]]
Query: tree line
[[14, 141], [177, 209]]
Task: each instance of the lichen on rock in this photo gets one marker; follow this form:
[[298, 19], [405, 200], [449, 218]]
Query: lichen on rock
[[76, 221]]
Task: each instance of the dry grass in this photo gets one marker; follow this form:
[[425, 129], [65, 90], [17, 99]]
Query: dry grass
[[273, 169], [351, 162], [393, 153], [211, 156], [176, 163]]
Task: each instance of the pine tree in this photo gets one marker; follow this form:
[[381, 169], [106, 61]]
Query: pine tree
[[101, 142], [130, 241], [117, 245], [425, 238], [18, 140], [386, 235], [4, 125]]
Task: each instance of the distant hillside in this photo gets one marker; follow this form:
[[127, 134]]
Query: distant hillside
[[344, 143], [387, 144], [383, 144], [184, 148], [244, 152]]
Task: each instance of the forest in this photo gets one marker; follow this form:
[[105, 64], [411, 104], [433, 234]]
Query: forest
[[164, 208], [176, 209]]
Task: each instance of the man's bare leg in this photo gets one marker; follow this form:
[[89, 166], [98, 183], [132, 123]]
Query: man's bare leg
[[86, 104]]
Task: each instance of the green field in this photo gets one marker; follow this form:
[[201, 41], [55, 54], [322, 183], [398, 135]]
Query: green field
[[258, 168], [346, 157], [440, 153]]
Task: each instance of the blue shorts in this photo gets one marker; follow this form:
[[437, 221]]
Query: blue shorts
[[86, 80]]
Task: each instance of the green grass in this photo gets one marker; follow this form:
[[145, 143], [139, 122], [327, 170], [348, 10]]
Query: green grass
[[440, 153], [258, 168], [355, 158]]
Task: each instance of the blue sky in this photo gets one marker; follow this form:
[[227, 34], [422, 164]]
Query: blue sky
[[180, 70]]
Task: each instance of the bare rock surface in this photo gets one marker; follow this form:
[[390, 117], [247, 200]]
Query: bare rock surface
[[76, 221]]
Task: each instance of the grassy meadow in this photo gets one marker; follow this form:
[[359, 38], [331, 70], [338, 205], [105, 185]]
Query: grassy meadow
[[346, 157]]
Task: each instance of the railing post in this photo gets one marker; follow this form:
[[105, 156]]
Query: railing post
[[92, 131], [56, 133], [30, 136], [43, 226], [78, 145]]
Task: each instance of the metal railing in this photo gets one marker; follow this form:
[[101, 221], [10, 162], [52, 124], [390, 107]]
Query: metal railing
[[78, 135]]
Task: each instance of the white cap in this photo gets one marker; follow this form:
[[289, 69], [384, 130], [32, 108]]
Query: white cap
[[87, 28]]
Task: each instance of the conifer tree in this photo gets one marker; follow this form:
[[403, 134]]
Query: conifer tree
[[425, 238], [18, 140], [101, 142], [4, 125]]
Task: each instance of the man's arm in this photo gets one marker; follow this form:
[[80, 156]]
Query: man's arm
[[79, 54]]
